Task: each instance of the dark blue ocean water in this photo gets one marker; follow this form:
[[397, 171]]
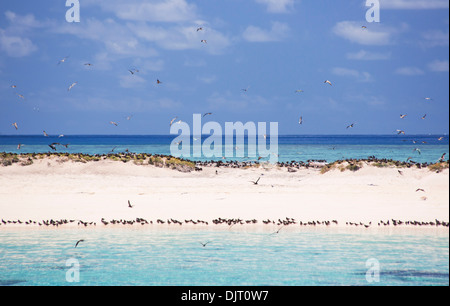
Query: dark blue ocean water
[[290, 148]]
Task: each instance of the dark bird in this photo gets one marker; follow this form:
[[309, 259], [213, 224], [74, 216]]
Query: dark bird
[[52, 146], [400, 132], [158, 81], [351, 125], [133, 71], [256, 183], [203, 41], [129, 204], [207, 114], [204, 244], [45, 134], [424, 116], [278, 231], [113, 123], [79, 242], [199, 29], [420, 189], [400, 172], [88, 64]]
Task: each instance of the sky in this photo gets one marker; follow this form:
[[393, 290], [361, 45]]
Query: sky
[[270, 48]]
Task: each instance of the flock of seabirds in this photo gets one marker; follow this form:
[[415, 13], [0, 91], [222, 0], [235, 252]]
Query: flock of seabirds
[[54, 146], [221, 221]]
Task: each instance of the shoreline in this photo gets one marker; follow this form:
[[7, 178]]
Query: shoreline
[[348, 192]]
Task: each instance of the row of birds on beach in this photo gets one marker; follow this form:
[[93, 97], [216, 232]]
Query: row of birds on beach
[[224, 221]]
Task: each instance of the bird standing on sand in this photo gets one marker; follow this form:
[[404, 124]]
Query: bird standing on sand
[[78, 242]]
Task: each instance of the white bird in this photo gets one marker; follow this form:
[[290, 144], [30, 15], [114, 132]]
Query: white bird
[[299, 91], [300, 121], [114, 123], [15, 125], [60, 136], [328, 82], [19, 146], [403, 116], [45, 134], [173, 120], [440, 138], [72, 85], [400, 132], [20, 96], [13, 86], [203, 41], [417, 150], [63, 60], [428, 99]]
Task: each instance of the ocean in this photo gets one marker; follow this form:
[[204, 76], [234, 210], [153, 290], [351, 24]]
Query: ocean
[[290, 148], [235, 257]]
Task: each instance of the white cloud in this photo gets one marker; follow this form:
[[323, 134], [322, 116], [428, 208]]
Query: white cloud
[[151, 10], [16, 46], [364, 55], [277, 6], [439, 66], [435, 38], [409, 71], [353, 32], [414, 4], [345, 72], [278, 32]]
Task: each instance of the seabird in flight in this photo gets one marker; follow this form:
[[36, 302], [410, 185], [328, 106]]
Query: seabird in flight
[[206, 114], [173, 120], [113, 123], [79, 242], [71, 86], [45, 134], [403, 116], [256, 183], [15, 125], [351, 125], [328, 82]]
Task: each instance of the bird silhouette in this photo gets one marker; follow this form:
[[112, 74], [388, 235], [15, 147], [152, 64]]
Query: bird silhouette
[[79, 242]]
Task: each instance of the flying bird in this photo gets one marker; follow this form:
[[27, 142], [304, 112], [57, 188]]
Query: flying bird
[[300, 121], [299, 91], [417, 150], [19, 146], [255, 183], [351, 125], [206, 114], [203, 41], [204, 244], [328, 82], [88, 64], [45, 134], [403, 116], [199, 29], [15, 125], [72, 85], [424, 116], [129, 117], [63, 60], [13, 86], [129, 204], [113, 123], [173, 120], [428, 99], [363, 27], [52, 146], [20, 96], [420, 189], [133, 71], [158, 81], [278, 231], [78, 242], [400, 132], [441, 138], [442, 158]]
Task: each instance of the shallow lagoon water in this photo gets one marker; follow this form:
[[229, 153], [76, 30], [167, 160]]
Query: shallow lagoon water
[[235, 257]]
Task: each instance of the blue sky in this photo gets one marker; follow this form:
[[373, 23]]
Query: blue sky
[[270, 47]]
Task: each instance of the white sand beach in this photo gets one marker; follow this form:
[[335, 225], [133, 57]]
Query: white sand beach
[[50, 189]]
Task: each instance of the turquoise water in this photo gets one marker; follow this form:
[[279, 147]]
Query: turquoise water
[[155, 257], [290, 148]]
